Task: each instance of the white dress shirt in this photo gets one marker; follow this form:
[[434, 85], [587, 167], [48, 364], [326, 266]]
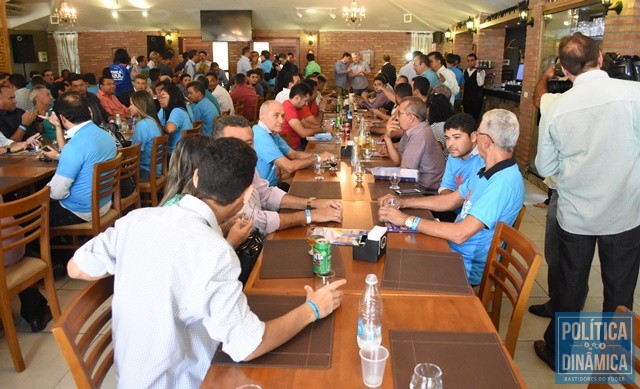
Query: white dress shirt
[[283, 95], [224, 99], [176, 295], [450, 81]]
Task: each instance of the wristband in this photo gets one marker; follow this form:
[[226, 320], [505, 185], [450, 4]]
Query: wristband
[[308, 213], [23, 127], [315, 308], [414, 225]]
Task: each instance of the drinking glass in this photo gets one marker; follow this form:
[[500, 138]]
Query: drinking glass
[[373, 360], [367, 152], [359, 173], [426, 376], [313, 234], [319, 170], [395, 180], [325, 279], [333, 162], [393, 202]]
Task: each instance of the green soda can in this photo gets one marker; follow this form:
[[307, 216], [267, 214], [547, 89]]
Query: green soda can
[[322, 256]]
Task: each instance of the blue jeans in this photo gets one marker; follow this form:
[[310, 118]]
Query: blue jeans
[[619, 261]]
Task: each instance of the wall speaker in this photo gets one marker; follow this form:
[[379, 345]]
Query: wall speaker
[[438, 37], [155, 43], [23, 49]]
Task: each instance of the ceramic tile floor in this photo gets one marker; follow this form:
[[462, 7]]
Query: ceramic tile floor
[[46, 367]]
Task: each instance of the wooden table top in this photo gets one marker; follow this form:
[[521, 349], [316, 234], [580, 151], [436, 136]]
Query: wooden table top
[[435, 313], [17, 172]]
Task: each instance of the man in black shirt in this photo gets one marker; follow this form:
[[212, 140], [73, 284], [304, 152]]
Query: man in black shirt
[[15, 123]]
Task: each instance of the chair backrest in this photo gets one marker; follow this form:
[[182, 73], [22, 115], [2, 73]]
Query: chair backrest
[[23, 221], [159, 156], [238, 107], [516, 224], [106, 183], [256, 111], [89, 359], [636, 360], [512, 273], [130, 168], [197, 124], [192, 131]]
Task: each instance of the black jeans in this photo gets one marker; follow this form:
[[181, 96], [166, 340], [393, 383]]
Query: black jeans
[[619, 261], [60, 216]]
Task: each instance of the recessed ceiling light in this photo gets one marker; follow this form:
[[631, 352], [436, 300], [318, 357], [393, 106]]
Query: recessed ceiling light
[[114, 14], [145, 13]]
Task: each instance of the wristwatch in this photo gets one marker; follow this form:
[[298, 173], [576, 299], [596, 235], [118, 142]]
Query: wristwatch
[[309, 201], [7, 149], [409, 222]]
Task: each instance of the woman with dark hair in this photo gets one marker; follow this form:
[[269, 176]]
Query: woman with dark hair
[[147, 128], [121, 71], [173, 114], [439, 109]]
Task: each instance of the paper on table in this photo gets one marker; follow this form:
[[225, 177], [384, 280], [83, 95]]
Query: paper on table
[[384, 173], [341, 236]]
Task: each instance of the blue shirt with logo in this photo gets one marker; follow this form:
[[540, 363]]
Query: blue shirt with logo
[[180, 118], [146, 131], [205, 110], [268, 147]]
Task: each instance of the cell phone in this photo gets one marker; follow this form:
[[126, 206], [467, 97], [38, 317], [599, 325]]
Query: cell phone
[[408, 192], [46, 148]]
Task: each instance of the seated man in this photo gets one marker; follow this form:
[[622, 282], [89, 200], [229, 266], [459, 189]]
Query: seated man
[[273, 151], [188, 275], [495, 194], [108, 99], [14, 122], [294, 131], [185, 79], [71, 186], [464, 160], [80, 86], [401, 91], [418, 148], [266, 200], [253, 78], [221, 94], [312, 114], [202, 108], [421, 88], [380, 99], [290, 80], [246, 93]]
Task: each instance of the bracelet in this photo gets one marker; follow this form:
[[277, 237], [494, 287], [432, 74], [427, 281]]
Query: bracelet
[[23, 127], [414, 225], [315, 308], [308, 213]]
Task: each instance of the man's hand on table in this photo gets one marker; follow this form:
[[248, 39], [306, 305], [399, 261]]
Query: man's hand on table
[[392, 215], [382, 201], [319, 203], [323, 215], [328, 298], [325, 156]]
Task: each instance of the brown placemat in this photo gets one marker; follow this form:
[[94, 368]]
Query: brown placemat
[[421, 213], [311, 348], [291, 259], [320, 190], [380, 188], [467, 359], [379, 162], [426, 271]]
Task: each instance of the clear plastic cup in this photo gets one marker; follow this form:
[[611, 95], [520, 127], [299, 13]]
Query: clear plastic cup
[[374, 360]]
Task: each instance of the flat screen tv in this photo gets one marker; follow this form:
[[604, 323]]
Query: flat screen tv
[[226, 26], [520, 73]]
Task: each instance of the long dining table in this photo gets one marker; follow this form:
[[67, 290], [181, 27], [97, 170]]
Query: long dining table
[[23, 170], [402, 310]]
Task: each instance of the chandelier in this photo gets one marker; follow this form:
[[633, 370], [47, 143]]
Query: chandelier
[[65, 15], [353, 14]]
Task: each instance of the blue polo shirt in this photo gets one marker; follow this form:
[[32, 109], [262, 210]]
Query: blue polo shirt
[[88, 146], [460, 78], [180, 118], [268, 147], [433, 78], [146, 131], [491, 196], [205, 110], [458, 170]]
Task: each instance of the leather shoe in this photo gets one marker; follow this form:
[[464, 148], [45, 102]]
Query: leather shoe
[[540, 310], [543, 352], [39, 322]]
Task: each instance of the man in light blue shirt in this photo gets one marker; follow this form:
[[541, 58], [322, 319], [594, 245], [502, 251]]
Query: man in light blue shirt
[[421, 66], [202, 108]]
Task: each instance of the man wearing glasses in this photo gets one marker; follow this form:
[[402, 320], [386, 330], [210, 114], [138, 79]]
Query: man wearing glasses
[[495, 194], [418, 147]]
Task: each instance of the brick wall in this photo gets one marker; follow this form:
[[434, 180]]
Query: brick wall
[[621, 31], [490, 43], [463, 44]]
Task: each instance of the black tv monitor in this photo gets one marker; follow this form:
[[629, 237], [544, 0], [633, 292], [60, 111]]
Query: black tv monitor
[[520, 73], [226, 26]]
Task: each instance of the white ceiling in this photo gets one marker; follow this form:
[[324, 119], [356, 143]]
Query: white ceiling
[[95, 15]]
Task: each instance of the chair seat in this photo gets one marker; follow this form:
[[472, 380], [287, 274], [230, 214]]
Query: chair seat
[[126, 202], [146, 186], [105, 219], [23, 270]]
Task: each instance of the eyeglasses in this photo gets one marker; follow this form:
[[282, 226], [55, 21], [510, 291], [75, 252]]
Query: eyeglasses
[[487, 135], [406, 113]]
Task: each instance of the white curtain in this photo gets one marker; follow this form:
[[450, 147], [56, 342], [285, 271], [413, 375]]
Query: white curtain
[[421, 41], [67, 47]]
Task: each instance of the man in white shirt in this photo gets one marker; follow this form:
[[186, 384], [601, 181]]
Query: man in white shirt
[[407, 70], [221, 94], [177, 294], [447, 77], [244, 63], [291, 80]]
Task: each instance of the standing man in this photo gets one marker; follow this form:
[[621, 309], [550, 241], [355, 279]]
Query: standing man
[[202, 108], [578, 143], [421, 66], [267, 66], [312, 65], [473, 81], [190, 65], [388, 70], [341, 71], [14, 122], [408, 70], [203, 65], [358, 72], [446, 76], [189, 274], [452, 62], [244, 63]]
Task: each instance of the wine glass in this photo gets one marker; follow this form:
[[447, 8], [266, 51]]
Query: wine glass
[[333, 162], [393, 202], [426, 376], [319, 170], [395, 180], [367, 152], [359, 170]]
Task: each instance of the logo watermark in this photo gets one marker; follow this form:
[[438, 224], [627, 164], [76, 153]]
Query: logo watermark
[[595, 347]]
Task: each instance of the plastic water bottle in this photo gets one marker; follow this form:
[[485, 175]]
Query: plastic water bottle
[[118, 122], [355, 153], [370, 314]]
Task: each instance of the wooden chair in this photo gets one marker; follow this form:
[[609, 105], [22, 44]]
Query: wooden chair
[[30, 222], [106, 184], [516, 224], [227, 112], [130, 169], [197, 124], [509, 274], [256, 111], [238, 107], [636, 360], [159, 156], [192, 131], [88, 355]]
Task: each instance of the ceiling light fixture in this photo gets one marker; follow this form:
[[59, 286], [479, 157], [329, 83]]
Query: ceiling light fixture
[[114, 14], [448, 35], [523, 8], [145, 13], [65, 15], [470, 25], [298, 13], [332, 14], [353, 14]]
